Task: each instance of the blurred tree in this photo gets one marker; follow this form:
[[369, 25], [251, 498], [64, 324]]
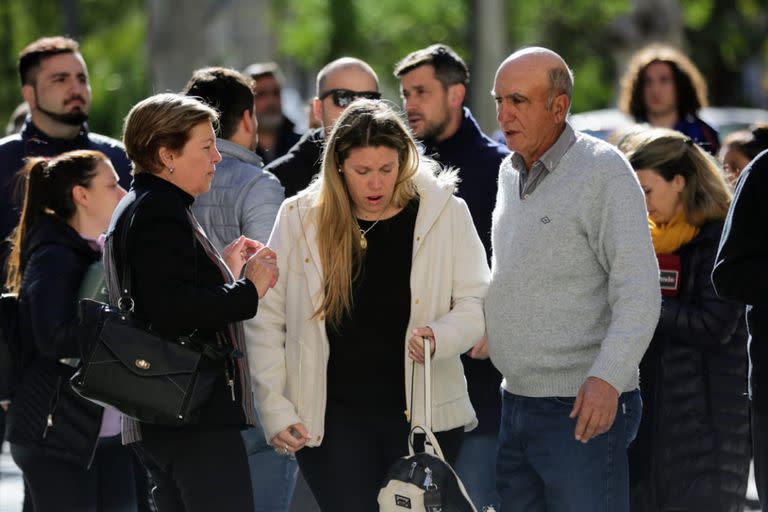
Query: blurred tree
[[314, 32], [111, 35], [723, 37]]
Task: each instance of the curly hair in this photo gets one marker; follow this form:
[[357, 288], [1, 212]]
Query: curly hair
[[690, 86]]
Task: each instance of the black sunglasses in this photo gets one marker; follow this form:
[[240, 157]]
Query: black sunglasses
[[344, 97]]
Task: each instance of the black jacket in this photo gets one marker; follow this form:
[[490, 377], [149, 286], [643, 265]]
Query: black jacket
[[286, 138], [477, 159], [177, 288], [45, 411], [301, 164], [693, 449], [741, 270]]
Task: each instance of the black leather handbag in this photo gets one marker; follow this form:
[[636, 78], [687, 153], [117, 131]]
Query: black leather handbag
[[129, 367]]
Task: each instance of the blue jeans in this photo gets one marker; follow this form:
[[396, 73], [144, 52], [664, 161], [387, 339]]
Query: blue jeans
[[273, 476], [476, 466], [541, 466]]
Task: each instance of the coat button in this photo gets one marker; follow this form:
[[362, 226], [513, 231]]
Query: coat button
[[417, 301], [306, 260], [290, 207], [418, 238]]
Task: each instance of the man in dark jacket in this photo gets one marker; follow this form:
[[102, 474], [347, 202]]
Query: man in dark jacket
[[54, 83], [740, 274], [338, 84], [433, 83], [277, 133]]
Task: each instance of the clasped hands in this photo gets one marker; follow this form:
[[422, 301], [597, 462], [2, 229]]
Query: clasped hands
[[259, 261]]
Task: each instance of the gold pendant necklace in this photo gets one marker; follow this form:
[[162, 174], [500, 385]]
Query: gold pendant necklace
[[363, 240]]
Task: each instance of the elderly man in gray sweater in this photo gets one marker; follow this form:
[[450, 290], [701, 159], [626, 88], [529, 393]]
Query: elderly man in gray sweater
[[573, 302]]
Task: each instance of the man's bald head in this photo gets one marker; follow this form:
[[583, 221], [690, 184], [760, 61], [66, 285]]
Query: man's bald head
[[544, 62], [341, 65]]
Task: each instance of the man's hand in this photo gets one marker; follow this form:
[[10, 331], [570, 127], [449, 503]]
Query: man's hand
[[480, 350], [595, 407]]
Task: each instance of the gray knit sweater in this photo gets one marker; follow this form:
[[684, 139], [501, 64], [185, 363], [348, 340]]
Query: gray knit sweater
[[575, 283]]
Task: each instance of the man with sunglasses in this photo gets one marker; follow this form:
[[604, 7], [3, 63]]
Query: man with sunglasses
[[277, 133], [433, 86], [339, 83]]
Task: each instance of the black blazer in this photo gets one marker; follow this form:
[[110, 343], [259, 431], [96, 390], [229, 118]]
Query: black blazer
[[176, 286], [45, 411]]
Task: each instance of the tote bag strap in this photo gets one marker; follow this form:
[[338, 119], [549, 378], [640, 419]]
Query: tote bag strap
[[430, 442]]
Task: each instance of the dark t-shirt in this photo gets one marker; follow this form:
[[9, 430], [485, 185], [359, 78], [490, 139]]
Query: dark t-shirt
[[366, 369]]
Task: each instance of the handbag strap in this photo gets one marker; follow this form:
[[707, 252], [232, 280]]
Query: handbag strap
[[125, 302]]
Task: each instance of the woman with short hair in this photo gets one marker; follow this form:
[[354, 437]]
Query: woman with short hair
[[182, 286]]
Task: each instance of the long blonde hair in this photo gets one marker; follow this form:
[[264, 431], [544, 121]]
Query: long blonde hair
[[365, 123], [706, 196]]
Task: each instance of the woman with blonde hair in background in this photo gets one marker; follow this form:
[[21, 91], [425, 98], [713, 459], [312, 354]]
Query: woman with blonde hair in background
[[692, 451], [376, 254]]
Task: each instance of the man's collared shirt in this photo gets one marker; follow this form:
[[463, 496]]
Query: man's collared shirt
[[530, 179]]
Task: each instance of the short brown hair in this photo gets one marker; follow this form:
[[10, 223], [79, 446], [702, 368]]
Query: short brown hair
[[163, 120], [690, 86], [450, 69], [31, 56]]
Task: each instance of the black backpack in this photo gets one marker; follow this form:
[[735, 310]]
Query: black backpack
[[423, 482], [10, 345]]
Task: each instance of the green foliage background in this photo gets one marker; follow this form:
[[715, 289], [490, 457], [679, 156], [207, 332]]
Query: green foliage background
[[112, 35], [722, 36]]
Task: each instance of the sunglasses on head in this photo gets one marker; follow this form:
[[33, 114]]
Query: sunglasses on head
[[344, 97]]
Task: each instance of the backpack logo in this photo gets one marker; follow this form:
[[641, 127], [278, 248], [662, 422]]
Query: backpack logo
[[402, 501]]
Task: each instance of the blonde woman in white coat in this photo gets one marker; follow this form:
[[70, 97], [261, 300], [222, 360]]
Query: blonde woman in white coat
[[374, 255]]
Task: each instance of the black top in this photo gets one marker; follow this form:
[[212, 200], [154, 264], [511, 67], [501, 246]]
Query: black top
[[54, 258], [477, 159], [366, 369], [176, 286], [741, 268], [285, 138], [301, 164]]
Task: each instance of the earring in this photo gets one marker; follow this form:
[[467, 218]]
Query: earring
[[339, 170], [170, 169]]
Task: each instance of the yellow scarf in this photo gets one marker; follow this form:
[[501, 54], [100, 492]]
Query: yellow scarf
[[668, 238]]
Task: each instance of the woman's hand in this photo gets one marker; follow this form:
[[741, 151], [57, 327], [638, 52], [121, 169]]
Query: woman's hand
[[291, 439], [237, 253], [262, 270], [416, 344], [480, 350]]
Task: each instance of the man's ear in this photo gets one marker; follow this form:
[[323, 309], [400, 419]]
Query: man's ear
[[246, 122], [560, 107], [28, 93], [317, 109], [456, 95]]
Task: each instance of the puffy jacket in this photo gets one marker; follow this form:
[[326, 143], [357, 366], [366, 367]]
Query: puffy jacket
[[243, 199], [45, 411], [692, 451], [301, 164]]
